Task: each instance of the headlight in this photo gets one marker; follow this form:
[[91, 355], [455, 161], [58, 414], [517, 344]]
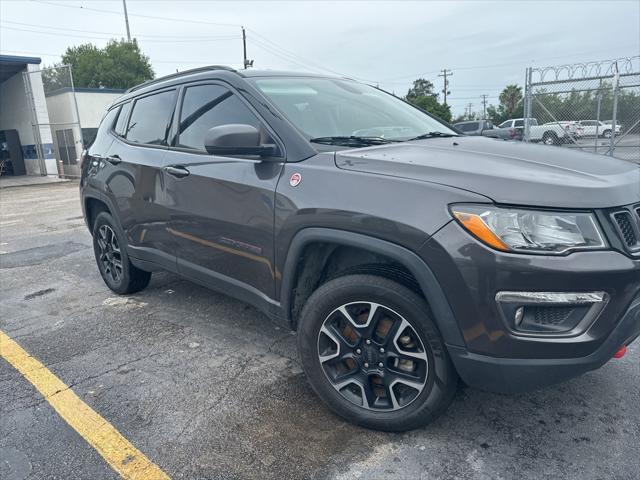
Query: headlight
[[530, 231]]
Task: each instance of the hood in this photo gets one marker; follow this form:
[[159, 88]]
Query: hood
[[507, 172]]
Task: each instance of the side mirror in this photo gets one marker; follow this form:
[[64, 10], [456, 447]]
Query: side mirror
[[236, 139]]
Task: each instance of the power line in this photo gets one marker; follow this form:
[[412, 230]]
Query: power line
[[94, 37], [57, 55], [65, 29], [498, 65], [152, 17], [201, 22]]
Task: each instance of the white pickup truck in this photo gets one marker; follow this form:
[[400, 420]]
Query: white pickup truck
[[551, 134]]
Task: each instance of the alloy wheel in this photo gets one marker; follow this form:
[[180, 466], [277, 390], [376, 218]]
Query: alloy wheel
[[372, 356], [110, 254]]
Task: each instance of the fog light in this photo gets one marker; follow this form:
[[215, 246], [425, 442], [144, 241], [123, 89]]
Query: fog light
[[518, 316], [550, 313]]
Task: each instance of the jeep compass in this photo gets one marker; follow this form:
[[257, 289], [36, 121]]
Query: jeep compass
[[405, 255]]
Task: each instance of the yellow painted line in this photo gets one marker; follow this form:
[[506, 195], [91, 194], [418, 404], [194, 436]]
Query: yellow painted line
[[118, 452]]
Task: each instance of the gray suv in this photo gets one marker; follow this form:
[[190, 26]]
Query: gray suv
[[405, 256]]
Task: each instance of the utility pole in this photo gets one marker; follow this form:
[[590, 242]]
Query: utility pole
[[126, 19], [484, 106], [469, 105], [246, 63], [445, 73]]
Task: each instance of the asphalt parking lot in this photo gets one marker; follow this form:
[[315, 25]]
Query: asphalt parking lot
[[208, 388], [627, 147]]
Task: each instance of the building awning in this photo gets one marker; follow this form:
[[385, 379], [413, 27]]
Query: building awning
[[11, 65]]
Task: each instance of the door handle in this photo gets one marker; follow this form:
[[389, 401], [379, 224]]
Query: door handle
[[177, 171], [114, 159]]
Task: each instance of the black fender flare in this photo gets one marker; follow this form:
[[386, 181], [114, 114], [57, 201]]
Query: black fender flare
[[429, 285]]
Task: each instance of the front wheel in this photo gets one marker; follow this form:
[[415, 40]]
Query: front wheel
[[606, 134], [116, 269], [373, 354]]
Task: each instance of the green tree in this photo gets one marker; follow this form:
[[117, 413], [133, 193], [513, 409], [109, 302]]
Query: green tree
[[120, 64], [421, 95], [421, 88], [510, 98], [431, 105]]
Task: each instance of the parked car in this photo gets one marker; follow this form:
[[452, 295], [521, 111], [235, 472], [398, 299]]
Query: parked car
[[619, 126], [550, 134], [592, 128], [486, 129], [571, 127], [405, 257]]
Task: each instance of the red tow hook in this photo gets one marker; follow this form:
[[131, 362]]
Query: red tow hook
[[620, 353]]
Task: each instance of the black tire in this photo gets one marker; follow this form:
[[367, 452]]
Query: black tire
[[606, 134], [440, 379], [550, 138], [126, 279]]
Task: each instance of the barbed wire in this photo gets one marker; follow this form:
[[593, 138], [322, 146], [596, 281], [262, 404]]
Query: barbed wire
[[586, 70]]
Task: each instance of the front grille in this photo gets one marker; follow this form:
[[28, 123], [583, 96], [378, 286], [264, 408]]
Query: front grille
[[625, 225]]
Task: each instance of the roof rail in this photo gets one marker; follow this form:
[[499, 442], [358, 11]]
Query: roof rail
[[179, 74]]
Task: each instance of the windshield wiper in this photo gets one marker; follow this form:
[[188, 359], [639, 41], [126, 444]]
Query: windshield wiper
[[433, 135], [351, 140]]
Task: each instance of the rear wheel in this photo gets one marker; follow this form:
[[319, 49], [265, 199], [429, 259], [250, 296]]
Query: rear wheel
[[373, 354], [116, 269], [606, 134], [550, 138]]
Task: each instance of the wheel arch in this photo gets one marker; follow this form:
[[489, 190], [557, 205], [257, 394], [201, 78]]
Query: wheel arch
[[93, 206], [428, 285]]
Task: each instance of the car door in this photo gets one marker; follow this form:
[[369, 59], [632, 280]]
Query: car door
[[221, 208], [136, 187], [589, 128]]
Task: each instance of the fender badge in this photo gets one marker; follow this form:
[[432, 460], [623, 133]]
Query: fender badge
[[295, 179]]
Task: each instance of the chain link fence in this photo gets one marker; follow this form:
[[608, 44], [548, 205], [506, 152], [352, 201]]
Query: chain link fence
[[594, 107], [59, 116]]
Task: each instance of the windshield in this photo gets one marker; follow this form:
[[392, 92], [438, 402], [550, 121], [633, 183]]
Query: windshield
[[322, 108]]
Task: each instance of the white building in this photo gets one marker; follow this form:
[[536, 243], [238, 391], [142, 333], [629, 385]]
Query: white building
[[26, 145], [44, 133], [69, 136]]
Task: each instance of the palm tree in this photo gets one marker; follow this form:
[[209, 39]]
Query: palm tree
[[510, 97]]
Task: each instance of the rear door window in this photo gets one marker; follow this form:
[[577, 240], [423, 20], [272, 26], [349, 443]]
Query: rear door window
[[150, 118], [520, 123]]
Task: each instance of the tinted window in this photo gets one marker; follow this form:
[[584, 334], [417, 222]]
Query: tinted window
[[122, 118], [467, 127], [520, 123], [506, 124], [88, 136], [208, 106], [150, 118], [107, 121]]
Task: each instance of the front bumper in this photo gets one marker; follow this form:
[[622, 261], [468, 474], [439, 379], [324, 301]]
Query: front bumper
[[495, 357], [511, 375]]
